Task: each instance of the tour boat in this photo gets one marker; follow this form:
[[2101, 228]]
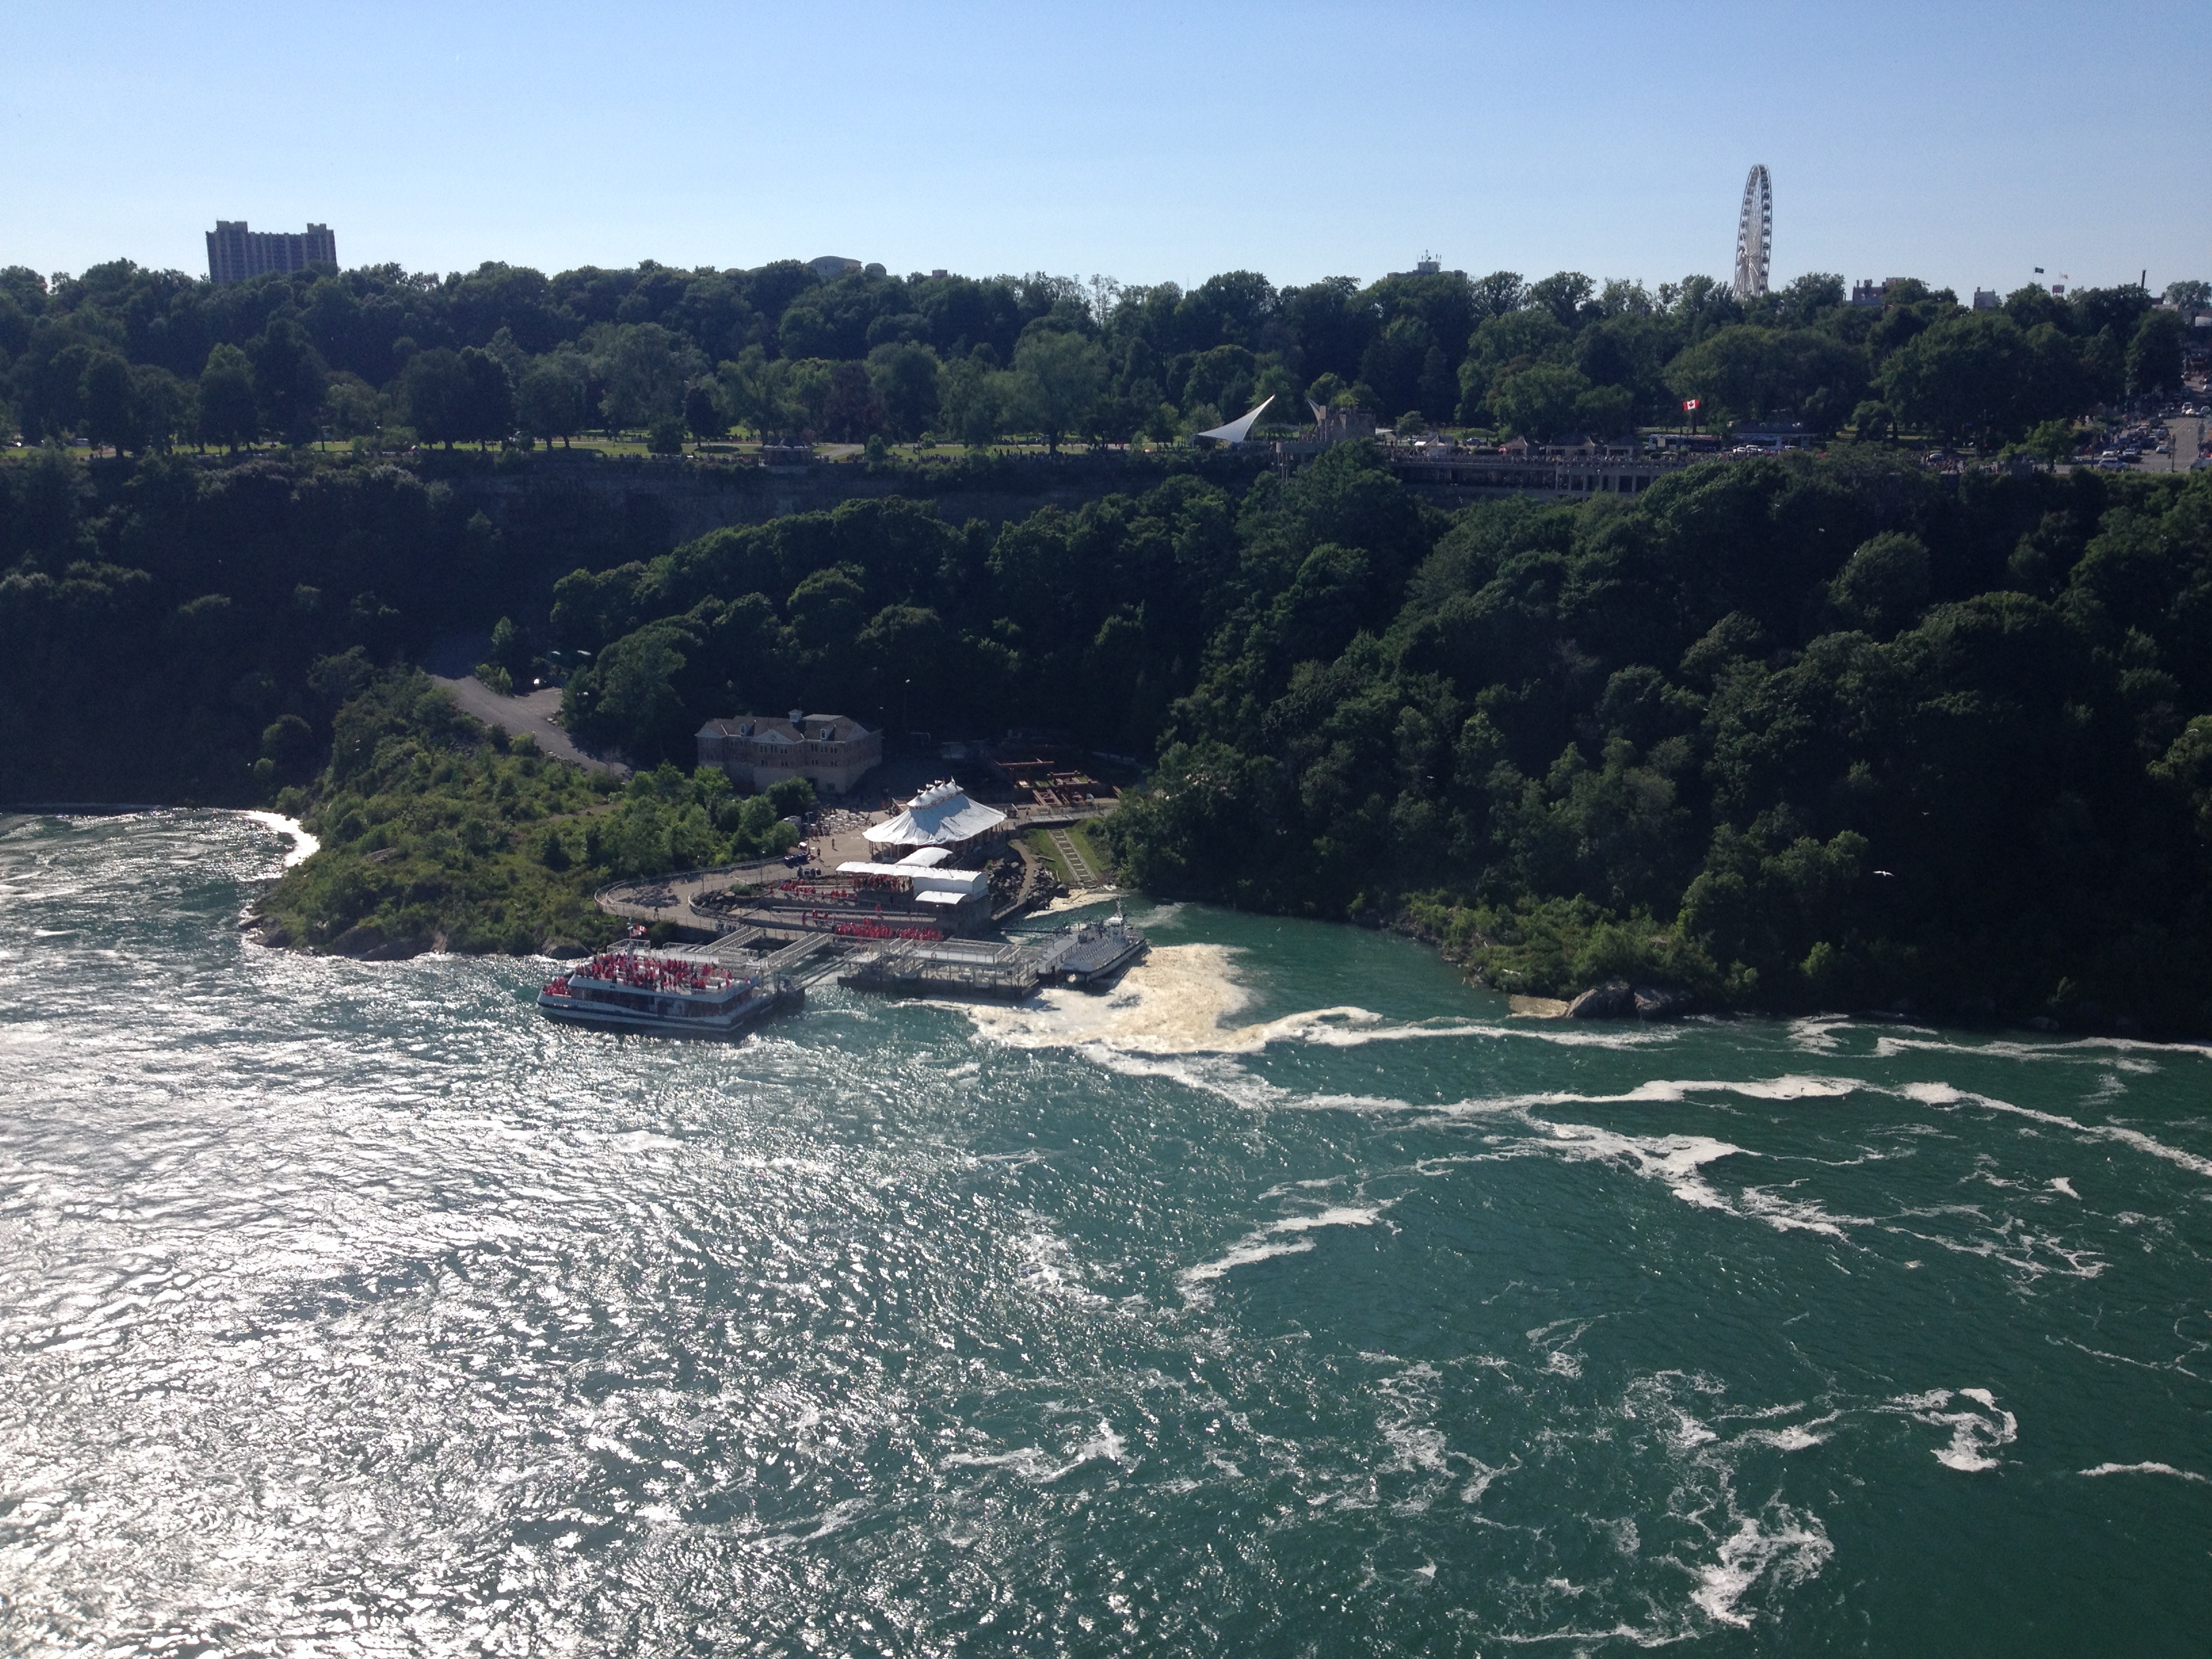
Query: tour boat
[[1093, 954], [629, 989]]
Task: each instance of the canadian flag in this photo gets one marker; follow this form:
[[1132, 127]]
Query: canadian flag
[[1689, 402]]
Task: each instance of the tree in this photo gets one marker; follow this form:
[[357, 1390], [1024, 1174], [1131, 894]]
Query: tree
[[1393, 365], [1606, 411], [629, 697], [1883, 585], [749, 391], [973, 394], [228, 412], [1058, 377], [549, 401], [288, 381], [702, 413], [1563, 294], [1500, 293], [162, 405], [645, 369], [109, 414], [488, 400], [850, 412], [905, 381], [355, 409], [1539, 402], [1971, 375], [1505, 344], [509, 650], [436, 389], [2154, 353]]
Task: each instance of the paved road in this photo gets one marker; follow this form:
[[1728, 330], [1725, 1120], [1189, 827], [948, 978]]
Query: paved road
[[2187, 432], [533, 714]]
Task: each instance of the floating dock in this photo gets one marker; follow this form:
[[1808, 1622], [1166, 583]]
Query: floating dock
[[962, 967]]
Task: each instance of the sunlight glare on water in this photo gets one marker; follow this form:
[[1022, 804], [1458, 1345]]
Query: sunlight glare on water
[[1291, 1298]]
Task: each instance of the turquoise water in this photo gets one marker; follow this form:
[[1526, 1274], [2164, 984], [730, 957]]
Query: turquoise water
[[1295, 1299]]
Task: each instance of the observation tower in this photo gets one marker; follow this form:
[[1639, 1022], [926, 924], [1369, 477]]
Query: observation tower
[[1754, 234]]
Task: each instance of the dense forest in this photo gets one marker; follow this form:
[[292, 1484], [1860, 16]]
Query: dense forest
[[1786, 733], [1783, 733], [135, 359]]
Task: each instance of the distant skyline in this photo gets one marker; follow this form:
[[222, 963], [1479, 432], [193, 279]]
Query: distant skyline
[[1965, 145]]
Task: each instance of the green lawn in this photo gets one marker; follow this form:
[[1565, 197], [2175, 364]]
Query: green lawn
[[1040, 842]]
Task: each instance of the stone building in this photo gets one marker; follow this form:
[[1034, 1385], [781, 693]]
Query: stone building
[[833, 752]]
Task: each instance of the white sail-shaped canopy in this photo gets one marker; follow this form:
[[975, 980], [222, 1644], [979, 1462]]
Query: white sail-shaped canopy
[[1240, 428]]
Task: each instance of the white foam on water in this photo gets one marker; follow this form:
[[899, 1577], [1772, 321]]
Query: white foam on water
[[1285, 1237], [1484, 1476], [1577, 1037], [1048, 1264], [1177, 1000], [2146, 1468], [1667, 1091], [2064, 1184], [1818, 1032], [1037, 1467], [1184, 999], [1943, 1094], [1678, 1163], [1027, 1462], [1974, 1434], [1787, 1545], [304, 846], [2080, 1048]]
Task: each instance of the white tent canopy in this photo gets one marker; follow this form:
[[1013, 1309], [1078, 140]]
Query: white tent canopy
[[1240, 428], [940, 815], [923, 880]]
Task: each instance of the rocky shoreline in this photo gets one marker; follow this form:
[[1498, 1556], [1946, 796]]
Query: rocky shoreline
[[1617, 999]]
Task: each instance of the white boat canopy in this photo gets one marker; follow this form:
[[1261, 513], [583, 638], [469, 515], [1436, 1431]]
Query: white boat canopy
[[940, 815]]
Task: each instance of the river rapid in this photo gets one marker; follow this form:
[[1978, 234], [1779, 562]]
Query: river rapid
[[1294, 1299]]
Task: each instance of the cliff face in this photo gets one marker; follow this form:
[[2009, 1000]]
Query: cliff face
[[673, 502]]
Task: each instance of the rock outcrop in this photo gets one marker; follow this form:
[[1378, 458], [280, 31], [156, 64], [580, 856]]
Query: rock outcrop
[[1617, 999], [368, 942]]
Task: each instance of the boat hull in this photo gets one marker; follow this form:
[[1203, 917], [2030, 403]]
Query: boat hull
[[1098, 972], [606, 1016]]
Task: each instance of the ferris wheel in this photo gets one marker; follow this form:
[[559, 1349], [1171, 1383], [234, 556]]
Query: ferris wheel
[[1754, 234]]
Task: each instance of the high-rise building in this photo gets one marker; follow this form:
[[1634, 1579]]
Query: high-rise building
[[235, 254]]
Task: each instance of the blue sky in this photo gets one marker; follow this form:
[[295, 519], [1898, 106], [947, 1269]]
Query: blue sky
[[1965, 144]]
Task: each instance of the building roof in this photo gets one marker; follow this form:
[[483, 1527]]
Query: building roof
[[920, 878], [940, 815], [798, 726]]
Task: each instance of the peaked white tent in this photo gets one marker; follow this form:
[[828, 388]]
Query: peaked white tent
[[940, 815], [1240, 428]]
